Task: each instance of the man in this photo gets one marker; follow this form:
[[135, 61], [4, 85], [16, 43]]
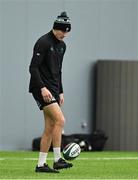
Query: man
[[46, 88]]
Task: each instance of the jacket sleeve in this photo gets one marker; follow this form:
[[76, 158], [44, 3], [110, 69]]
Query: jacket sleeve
[[60, 85], [37, 59], [60, 82]]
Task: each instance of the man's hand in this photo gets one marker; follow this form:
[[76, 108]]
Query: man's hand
[[46, 94], [61, 101]]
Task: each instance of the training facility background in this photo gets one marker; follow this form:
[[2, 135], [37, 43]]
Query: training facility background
[[101, 29]]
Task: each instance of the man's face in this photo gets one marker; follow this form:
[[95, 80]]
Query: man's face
[[60, 34]]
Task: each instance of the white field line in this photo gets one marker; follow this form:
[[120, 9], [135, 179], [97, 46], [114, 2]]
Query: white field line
[[82, 159]]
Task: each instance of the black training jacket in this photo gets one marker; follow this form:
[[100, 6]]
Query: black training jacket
[[46, 64]]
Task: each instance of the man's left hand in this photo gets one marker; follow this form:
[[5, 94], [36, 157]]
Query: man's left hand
[[61, 101]]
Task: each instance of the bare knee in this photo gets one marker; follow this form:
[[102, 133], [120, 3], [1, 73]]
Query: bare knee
[[60, 121]]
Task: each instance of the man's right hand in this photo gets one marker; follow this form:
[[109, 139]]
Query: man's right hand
[[46, 94]]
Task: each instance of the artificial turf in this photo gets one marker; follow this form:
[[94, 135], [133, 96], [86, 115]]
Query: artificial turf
[[89, 165]]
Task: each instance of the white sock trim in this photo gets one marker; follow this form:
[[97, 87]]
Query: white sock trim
[[42, 158], [57, 153]]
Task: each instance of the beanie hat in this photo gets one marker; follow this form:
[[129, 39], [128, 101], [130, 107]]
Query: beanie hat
[[62, 22]]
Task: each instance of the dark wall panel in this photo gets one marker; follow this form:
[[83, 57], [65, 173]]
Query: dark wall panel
[[117, 103]]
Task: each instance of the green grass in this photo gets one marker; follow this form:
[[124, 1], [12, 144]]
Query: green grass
[[89, 165]]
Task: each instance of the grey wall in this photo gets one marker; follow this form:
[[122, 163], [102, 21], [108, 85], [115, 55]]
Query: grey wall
[[101, 29]]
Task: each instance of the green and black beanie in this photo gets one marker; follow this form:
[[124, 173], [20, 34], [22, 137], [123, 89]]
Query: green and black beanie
[[62, 22]]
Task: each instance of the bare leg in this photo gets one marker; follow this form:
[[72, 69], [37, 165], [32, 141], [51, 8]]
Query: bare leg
[[55, 114], [46, 138]]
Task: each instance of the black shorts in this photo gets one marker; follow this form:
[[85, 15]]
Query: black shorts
[[40, 101]]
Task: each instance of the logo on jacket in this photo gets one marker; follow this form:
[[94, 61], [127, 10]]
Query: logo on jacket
[[51, 48], [38, 54], [62, 50]]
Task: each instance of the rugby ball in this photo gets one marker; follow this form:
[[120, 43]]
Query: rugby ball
[[71, 151]]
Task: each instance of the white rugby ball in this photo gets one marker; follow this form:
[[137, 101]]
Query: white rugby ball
[[71, 151]]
